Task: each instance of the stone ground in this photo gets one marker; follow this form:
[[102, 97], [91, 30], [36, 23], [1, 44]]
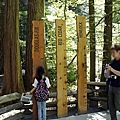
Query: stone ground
[[103, 115], [92, 116]]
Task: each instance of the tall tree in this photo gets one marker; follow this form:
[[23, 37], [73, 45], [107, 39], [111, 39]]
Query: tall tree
[[1, 36], [35, 12], [92, 39], [12, 68], [107, 34]]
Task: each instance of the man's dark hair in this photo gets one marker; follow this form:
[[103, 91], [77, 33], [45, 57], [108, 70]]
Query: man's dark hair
[[115, 47]]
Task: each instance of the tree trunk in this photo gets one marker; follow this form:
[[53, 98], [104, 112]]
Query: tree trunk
[[92, 39], [12, 68], [1, 36], [107, 35], [35, 12]]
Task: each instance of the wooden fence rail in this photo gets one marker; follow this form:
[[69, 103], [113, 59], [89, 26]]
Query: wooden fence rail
[[11, 107], [9, 97]]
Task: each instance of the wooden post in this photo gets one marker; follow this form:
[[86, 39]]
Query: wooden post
[[37, 54], [62, 109], [81, 64], [38, 44]]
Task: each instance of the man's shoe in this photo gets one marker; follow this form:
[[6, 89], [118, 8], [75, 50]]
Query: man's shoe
[[108, 111], [118, 112]]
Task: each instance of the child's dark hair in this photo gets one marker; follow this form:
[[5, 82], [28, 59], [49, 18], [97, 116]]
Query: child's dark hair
[[115, 47], [39, 72]]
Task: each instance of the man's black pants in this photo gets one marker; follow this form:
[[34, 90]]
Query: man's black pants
[[114, 101]]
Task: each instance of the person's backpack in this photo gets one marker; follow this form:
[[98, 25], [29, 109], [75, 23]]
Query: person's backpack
[[41, 93]]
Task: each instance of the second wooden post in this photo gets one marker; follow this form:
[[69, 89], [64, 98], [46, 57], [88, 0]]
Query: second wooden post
[[62, 109], [81, 64]]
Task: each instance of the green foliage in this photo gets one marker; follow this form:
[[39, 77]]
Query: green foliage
[[79, 8], [23, 21], [53, 11], [116, 14], [22, 27], [72, 75], [23, 51], [56, 9]]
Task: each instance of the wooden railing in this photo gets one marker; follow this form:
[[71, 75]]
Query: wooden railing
[[13, 100]]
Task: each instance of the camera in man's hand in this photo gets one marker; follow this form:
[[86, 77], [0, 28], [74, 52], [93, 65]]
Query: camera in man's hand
[[106, 66], [111, 76]]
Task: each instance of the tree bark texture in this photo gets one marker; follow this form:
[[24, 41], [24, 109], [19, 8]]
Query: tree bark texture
[[35, 12], [107, 35], [12, 67], [92, 39], [1, 37]]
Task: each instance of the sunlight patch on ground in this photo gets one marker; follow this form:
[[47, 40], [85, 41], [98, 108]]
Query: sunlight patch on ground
[[92, 116], [9, 114]]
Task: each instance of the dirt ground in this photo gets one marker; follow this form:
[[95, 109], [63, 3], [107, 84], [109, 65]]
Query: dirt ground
[[51, 114]]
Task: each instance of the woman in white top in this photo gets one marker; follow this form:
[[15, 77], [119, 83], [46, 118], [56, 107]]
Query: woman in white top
[[40, 87]]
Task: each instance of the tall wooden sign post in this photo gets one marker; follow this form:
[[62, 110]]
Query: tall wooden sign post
[[81, 64], [37, 54], [62, 109]]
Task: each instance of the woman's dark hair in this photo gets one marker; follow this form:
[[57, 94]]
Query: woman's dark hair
[[115, 47], [39, 72]]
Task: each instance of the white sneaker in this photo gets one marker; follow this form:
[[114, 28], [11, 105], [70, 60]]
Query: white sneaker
[[108, 111], [118, 112]]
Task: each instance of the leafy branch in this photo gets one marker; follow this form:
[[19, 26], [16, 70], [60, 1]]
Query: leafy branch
[[99, 22]]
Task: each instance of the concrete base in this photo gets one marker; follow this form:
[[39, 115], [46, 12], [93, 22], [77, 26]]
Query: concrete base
[[93, 116]]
